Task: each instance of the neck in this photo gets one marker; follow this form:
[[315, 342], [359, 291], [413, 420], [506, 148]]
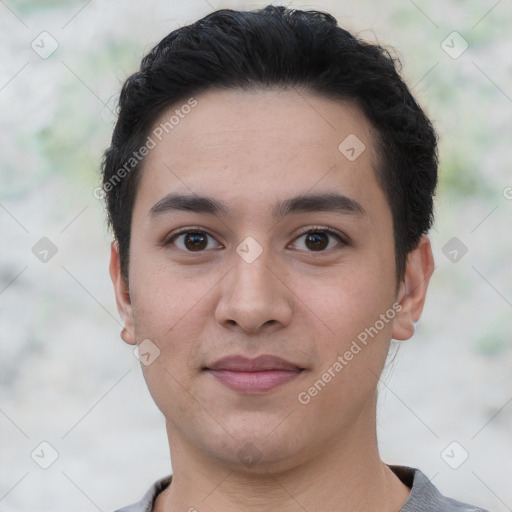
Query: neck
[[348, 475]]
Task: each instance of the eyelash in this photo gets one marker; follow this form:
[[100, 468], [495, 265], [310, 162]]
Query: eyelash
[[315, 229]]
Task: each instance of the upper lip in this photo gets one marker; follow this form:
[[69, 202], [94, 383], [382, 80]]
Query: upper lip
[[261, 363]]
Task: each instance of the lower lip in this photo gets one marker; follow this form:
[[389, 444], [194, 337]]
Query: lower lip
[[254, 382]]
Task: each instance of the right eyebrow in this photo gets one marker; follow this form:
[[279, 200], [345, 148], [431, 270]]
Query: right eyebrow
[[188, 203]]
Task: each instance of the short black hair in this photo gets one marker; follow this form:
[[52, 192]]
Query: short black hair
[[279, 47]]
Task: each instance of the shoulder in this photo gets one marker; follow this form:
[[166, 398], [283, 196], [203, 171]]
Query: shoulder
[[425, 497], [147, 501]]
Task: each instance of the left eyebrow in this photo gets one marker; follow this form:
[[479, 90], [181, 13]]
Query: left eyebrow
[[324, 202]]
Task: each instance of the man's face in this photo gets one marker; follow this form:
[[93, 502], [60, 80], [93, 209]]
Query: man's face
[[249, 282]]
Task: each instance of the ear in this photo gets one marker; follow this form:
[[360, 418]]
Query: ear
[[413, 289], [122, 292]]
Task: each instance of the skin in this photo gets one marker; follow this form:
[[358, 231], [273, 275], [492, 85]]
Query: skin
[[253, 149]]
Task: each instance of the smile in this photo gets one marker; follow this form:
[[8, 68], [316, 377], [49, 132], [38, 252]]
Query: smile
[[258, 375]]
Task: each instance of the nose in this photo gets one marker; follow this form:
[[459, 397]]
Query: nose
[[254, 297]]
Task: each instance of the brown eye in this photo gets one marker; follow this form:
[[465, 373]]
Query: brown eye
[[195, 241], [317, 241]]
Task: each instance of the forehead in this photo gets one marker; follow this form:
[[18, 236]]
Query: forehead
[[257, 147]]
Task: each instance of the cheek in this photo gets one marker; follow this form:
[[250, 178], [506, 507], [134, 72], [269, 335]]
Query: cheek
[[171, 312], [349, 300], [354, 349], [355, 313], [163, 299]]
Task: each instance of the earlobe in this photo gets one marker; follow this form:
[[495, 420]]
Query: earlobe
[[413, 289], [122, 293]]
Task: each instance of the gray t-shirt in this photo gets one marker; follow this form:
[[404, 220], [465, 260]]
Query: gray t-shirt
[[424, 496]]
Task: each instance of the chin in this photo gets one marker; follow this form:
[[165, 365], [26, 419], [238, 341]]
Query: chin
[[257, 453]]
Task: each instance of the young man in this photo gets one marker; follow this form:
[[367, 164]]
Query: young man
[[269, 186]]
